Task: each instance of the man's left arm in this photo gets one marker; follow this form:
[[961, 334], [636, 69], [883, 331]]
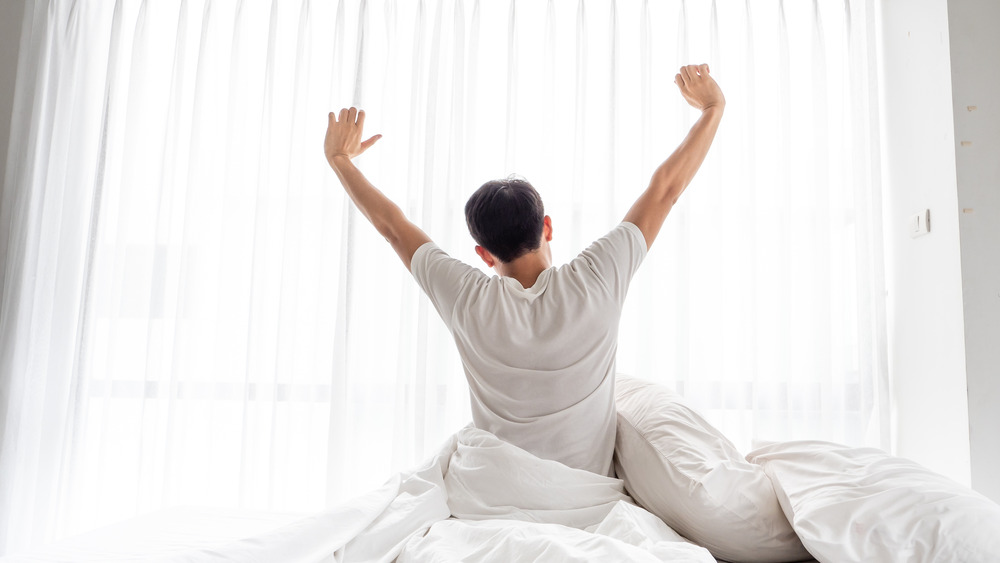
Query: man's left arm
[[343, 142]]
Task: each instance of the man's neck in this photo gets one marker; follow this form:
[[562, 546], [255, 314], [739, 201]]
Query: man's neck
[[526, 268]]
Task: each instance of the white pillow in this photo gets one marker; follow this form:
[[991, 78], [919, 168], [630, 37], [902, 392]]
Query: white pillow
[[680, 468], [861, 504]]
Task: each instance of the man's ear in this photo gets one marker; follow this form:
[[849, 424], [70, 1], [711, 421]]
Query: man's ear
[[486, 256], [547, 228]]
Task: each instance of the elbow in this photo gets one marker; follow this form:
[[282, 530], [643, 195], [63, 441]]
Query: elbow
[[387, 232], [669, 193], [670, 198], [388, 224], [668, 183]]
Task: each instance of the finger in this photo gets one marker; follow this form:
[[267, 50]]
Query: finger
[[703, 69], [369, 142], [686, 73], [353, 115], [678, 80], [331, 118], [361, 118], [343, 115]]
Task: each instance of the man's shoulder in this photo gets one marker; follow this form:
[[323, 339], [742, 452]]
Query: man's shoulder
[[430, 258]]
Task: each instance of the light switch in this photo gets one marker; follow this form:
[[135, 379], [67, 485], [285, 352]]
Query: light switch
[[920, 224]]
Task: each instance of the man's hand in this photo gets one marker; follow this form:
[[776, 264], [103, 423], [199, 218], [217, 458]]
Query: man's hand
[[698, 88], [343, 135]]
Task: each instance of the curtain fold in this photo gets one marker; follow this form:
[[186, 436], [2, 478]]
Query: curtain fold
[[194, 313]]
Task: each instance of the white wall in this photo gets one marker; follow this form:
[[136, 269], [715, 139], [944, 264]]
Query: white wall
[[975, 76], [926, 326]]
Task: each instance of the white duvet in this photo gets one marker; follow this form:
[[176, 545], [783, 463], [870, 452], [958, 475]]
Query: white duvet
[[478, 499]]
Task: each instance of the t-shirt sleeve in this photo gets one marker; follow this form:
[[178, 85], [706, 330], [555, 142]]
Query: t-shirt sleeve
[[615, 257], [443, 278]]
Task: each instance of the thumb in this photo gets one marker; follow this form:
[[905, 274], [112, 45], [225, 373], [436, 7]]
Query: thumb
[[365, 145]]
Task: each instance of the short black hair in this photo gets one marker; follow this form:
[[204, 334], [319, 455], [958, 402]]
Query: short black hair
[[506, 217]]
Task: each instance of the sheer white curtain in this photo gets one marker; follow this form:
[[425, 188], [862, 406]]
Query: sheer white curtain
[[193, 313]]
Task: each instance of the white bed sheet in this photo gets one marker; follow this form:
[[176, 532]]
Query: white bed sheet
[[513, 506], [159, 535]]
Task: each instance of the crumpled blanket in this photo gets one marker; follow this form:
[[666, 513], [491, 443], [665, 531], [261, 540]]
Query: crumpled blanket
[[477, 499]]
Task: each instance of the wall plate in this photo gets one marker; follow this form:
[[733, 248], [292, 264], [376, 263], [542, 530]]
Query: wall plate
[[920, 223]]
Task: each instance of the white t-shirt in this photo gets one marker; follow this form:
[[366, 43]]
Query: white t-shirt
[[541, 361]]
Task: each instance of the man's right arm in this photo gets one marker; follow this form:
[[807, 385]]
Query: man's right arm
[[673, 176]]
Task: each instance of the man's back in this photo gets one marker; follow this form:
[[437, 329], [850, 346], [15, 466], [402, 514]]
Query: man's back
[[541, 361]]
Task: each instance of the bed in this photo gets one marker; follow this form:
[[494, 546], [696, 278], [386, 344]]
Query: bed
[[464, 503], [686, 495]]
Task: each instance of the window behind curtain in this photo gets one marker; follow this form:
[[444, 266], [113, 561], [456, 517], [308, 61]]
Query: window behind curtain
[[242, 336]]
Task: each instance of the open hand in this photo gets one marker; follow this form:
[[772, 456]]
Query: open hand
[[343, 135], [698, 88]]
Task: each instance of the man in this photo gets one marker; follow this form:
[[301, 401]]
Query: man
[[537, 343]]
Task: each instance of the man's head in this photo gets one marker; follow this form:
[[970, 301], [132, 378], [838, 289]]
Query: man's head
[[506, 218]]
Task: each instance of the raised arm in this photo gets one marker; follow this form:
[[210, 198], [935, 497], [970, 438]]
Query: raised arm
[[343, 142], [673, 176]]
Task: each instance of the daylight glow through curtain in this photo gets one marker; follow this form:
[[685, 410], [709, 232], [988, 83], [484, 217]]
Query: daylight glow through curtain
[[193, 313]]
